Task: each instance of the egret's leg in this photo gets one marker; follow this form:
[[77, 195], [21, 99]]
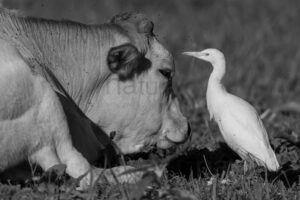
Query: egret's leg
[[249, 166], [246, 167]]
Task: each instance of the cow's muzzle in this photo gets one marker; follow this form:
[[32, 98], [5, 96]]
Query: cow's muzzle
[[182, 138], [170, 139]]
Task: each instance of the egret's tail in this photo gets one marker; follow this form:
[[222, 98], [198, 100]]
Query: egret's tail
[[271, 162]]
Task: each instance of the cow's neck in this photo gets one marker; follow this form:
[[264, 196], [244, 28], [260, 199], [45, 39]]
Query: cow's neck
[[75, 54]]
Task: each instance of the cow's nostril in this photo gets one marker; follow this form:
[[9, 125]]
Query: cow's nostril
[[112, 135]]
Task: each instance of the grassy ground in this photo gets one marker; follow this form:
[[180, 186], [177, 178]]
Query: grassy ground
[[261, 42]]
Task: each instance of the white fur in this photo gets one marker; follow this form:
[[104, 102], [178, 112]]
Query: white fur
[[46, 68]]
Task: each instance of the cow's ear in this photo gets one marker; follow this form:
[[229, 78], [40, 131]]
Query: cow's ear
[[124, 60]]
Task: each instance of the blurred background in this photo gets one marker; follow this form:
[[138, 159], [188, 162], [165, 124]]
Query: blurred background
[[260, 39]]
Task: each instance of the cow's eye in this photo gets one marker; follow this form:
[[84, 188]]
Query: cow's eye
[[166, 73]]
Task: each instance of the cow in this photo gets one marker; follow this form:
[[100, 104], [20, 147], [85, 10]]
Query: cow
[[68, 91]]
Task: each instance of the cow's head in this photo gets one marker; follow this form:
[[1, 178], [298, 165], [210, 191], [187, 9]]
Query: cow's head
[[138, 103]]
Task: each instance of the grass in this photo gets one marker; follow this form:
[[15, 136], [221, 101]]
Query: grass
[[261, 42]]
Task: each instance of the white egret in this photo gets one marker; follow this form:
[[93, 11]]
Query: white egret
[[238, 121]]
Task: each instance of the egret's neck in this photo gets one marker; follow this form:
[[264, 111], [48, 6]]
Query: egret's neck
[[218, 71], [215, 89], [215, 80]]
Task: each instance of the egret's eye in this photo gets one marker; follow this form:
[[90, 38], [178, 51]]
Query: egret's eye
[[166, 73], [206, 54]]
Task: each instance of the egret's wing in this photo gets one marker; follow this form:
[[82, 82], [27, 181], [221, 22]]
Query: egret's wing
[[242, 129], [244, 132], [240, 138], [247, 118]]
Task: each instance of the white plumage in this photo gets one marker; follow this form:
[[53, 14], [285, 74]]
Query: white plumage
[[238, 121]]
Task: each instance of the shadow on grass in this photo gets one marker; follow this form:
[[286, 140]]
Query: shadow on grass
[[195, 162], [200, 162], [287, 174]]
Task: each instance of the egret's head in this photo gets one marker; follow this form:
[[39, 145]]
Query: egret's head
[[210, 55]]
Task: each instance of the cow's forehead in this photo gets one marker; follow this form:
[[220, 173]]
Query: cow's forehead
[[135, 21], [137, 27], [140, 31]]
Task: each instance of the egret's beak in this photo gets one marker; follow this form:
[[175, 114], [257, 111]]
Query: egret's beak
[[193, 54]]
